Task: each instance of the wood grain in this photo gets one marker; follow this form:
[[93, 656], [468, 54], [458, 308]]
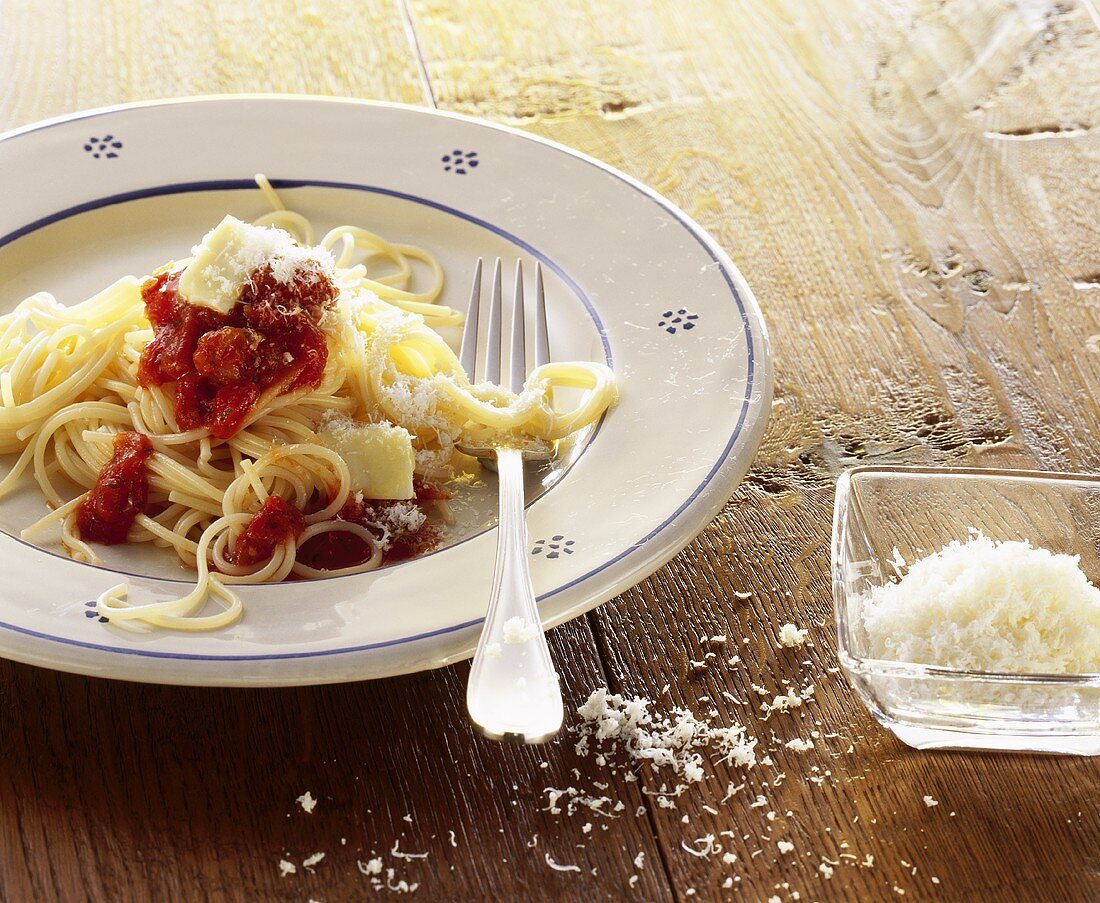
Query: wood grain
[[117, 791], [912, 189]]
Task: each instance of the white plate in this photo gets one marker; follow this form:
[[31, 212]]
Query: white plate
[[92, 196]]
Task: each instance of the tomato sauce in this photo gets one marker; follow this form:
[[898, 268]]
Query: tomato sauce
[[120, 493], [339, 549], [220, 364], [275, 523]]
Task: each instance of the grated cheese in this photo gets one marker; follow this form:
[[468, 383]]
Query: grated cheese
[[703, 847], [397, 853], [792, 699], [232, 251], [517, 630], [307, 802], [576, 800], [663, 740], [561, 868], [991, 606], [792, 636]]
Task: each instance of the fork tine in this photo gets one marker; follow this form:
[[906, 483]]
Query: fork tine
[[492, 348], [542, 334], [519, 338], [468, 353]]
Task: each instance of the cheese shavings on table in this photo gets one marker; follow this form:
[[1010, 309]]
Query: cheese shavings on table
[[989, 606]]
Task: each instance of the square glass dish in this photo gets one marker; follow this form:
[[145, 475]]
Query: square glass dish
[[883, 512]]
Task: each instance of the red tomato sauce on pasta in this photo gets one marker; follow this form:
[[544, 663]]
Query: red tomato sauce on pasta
[[275, 523], [339, 549], [221, 364], [120, 493]]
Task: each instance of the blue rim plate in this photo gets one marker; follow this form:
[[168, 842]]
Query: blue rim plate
[[633, 281]]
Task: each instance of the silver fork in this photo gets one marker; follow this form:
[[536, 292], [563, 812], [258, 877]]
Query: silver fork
[[513, 692]]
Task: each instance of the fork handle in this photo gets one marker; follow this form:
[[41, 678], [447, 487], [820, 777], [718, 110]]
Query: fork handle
[[513, 692]]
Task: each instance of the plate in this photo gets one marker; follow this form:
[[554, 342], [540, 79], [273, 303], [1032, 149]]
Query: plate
[[632, 281]]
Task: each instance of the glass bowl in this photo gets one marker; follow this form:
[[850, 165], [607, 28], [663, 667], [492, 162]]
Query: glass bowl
[[882, 512]]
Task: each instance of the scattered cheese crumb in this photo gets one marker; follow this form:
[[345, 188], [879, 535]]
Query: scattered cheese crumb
[[664, 740], [704, 851], [793, 699], [397, 853], [307, 802], [517, 630], [800, 745], [639, 860], [561, 868], [311, 861], [286, 868], [930, 802], [785, 846], [791, 636], [826, 870]]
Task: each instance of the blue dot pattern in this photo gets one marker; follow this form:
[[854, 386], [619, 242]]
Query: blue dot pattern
[[90, 612], [554, 547], [106, 147], [460, 161], [674, 320]]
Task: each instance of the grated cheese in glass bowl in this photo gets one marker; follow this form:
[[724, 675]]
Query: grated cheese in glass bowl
[[967, 608]]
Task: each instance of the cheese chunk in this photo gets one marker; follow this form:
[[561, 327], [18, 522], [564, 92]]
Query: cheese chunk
[[230, 252], [379, 456]]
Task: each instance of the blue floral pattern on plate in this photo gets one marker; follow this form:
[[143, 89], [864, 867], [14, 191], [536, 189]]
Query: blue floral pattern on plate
[[106, 147], [460, 161], [554, 547], [674, 320], [90, 612]]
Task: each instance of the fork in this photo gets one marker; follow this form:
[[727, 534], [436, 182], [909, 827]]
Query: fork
[[513, 692]]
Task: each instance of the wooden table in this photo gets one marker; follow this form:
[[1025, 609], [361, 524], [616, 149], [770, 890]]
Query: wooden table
[[912, 189]]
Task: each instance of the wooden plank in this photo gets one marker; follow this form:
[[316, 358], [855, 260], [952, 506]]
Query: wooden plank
[[121, 791], [910, 189], [60, 57]]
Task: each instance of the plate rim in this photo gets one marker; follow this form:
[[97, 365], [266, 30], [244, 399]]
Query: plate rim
[[725, 473]]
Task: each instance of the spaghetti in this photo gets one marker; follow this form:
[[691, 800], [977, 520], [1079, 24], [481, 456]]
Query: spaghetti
[[220, 430]]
